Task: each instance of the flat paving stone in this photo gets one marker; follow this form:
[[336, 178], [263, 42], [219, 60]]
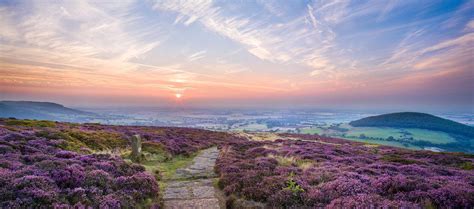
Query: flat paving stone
[[192, 187], [177, 193], [203, 192], [195, 204]]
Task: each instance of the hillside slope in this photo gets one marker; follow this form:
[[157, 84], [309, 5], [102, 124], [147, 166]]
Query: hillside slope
[[40, 110], [415, 120], [45, 164]]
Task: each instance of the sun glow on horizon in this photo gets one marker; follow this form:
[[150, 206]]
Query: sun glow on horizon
[[226, 53]]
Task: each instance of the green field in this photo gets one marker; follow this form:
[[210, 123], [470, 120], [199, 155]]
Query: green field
[[374, 132], [313, 130], [378, 135], [252, 127], [384, 142], [435, 137]]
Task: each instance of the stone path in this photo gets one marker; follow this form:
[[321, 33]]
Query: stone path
[[192, 187]]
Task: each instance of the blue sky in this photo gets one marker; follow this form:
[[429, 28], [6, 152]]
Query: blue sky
[[238, 52]]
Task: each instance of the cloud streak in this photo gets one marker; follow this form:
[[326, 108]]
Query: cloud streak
[[220, 49], [279, 42], [197, 55]]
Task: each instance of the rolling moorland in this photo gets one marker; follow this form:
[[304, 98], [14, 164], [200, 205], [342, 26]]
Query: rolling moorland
[[435, 134], [64, 165]]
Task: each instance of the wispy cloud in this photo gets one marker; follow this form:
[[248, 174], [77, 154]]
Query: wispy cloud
[[469, 26], [264, 47], [287, 41], [77, 32], [197, 55], [388, 7], [465, 41]]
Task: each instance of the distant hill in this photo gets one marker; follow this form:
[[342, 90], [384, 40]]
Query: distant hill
[[415, 120], [40, 111]]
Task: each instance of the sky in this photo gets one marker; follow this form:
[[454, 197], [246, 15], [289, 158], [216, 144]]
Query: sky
[[361, 53]]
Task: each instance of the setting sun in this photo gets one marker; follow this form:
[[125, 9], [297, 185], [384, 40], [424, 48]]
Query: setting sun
[[178, 96]]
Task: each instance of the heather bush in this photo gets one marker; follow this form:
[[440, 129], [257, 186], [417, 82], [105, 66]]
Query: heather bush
[[344, 174], [369, 201], [34, 191], [134, 185], [46, 165], [60, 157], [36, 173], [99, 179]]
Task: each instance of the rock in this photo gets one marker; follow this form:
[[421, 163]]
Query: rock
[[136, 148]]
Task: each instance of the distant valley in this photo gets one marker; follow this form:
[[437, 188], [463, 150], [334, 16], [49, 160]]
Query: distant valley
[[406, 130]]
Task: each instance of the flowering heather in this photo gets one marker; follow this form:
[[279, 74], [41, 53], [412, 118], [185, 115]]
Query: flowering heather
[[35, 172], [335, 173], [173, 140], [54, 165]]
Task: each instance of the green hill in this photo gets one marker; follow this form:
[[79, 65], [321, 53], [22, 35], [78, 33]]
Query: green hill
[[416, 120], [41, 111]]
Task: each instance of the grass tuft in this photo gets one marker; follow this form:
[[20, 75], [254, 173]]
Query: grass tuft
[[398, 159], [31, 123]]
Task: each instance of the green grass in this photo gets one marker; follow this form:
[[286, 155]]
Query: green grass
[[76, 140], [155, 151], [164, 167], [30, 123], [384, 142], [158, 162], [374, 132], [378, 135], [313, 130], [435, 137], [467, 166], [168, 168], [287, 161], [345, 125], [253, 127], [399, 159]]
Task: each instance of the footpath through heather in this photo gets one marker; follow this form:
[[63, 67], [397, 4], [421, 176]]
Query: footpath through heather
[[192, 186]]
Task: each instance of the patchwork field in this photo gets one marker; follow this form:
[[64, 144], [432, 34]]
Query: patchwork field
[[435, 137], [314, 130], [399, 137]]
